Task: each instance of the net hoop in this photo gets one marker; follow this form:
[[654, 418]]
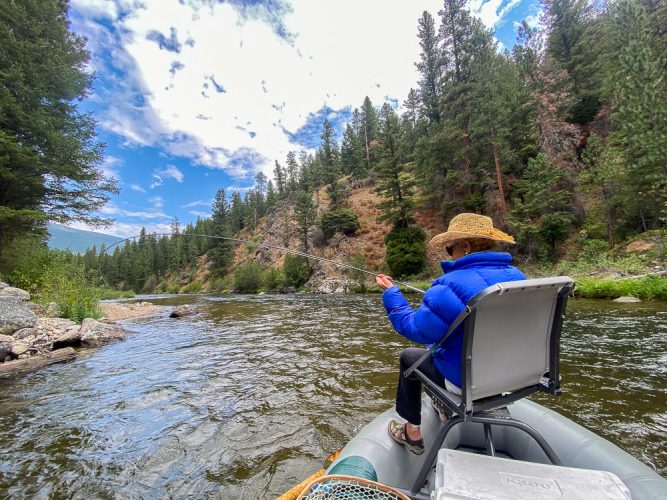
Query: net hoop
[[366, 485]]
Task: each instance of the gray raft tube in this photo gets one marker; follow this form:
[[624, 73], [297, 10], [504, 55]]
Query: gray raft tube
[[576, 447]]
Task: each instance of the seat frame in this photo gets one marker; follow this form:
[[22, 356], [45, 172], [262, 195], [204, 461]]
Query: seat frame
[[492, 410]]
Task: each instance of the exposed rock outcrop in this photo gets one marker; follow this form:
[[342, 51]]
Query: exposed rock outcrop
[[627, 300], [95, 333], [9, 292], [29, 342], [184, 310], [14, 315]]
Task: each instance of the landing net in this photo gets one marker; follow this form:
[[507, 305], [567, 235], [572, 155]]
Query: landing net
[[348, 488]]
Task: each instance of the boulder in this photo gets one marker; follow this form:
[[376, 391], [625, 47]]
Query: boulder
[[14, 315], [185, 310], [627, 300], [25, 333], [54, 327], [95, 333], [14, 293], [71, 337], [19, 348], [5, 350]]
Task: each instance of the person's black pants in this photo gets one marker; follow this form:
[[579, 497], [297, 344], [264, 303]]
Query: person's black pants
[[409, 391]]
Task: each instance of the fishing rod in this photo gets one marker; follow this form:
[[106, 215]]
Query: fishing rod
[[273, 247]]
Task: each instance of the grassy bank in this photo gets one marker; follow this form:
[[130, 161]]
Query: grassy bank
[[645, 288]]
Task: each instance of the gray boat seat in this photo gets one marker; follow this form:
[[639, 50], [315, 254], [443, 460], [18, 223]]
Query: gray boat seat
[[510, 349]]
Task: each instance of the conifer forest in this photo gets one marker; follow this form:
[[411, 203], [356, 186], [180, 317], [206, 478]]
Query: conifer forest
[[562, 140]]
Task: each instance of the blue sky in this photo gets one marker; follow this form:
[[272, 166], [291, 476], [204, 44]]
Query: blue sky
[[195, 95]]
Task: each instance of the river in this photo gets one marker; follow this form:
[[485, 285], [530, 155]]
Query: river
[[249, 397]]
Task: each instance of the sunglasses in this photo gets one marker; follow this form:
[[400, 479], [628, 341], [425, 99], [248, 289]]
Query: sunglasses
[[449, 249]]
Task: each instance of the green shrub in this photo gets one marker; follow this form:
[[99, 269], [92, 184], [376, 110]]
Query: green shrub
[[248, 277], [358, 277], [76, 291], [406, 250], [273, 278], [193, 287], [342, 220], [296, 270]]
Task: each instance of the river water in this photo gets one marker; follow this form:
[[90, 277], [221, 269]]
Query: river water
[[249, 397]]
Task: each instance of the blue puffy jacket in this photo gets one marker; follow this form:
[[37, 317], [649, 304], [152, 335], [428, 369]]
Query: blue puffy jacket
[[443, 302]]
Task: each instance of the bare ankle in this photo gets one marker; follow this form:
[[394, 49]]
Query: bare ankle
[[414, 431]]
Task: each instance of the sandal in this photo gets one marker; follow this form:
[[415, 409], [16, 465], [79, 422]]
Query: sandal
[[398, 433]]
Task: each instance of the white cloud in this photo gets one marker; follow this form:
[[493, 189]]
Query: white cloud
[[239, 86], [197, 203], [249, 83], [492, 12], [110, 167], [169, 172], [172, 172], [137, 188], [125, 229], [111, 209], [106, 9], [156, 201]]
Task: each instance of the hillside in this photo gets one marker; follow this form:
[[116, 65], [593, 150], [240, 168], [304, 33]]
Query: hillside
[[77, 240], [277, 228]]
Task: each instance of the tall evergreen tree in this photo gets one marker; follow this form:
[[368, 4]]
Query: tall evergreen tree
[[49, 153], [352, 154], [292, 170], [429, 67], [329, 153], [368, 132], [279, 176], [304, 216], [639, 112], [222, 253], [573, 42], [394, 183]]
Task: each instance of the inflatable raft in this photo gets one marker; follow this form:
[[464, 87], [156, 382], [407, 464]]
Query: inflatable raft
[[604, 470], [373, 455]]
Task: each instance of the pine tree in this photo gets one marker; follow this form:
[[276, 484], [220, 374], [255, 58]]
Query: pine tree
[[328, 153], [49, 153], [542, 214], [222, 253], [280, 178], [352, 154], [602, 175], [368, 132], [393, 181], [304, 216], [639, 114], [271, 196], [237, 213], [429, 67], [573, 43], [292, 170]]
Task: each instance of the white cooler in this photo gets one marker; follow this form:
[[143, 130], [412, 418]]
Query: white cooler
[[467, 476]]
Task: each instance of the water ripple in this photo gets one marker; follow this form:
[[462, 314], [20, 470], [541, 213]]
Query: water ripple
[[246, 399]]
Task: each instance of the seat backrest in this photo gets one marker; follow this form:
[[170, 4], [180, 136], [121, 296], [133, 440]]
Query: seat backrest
[[511, 337]]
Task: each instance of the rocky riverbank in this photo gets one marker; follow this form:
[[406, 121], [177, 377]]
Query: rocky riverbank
[[30, 337]]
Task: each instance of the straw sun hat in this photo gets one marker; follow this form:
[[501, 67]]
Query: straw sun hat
[[470, 226]]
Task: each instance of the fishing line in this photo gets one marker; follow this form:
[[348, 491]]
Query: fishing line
[[273, 247]]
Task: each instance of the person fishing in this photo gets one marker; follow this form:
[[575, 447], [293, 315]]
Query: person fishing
[[471, 241]]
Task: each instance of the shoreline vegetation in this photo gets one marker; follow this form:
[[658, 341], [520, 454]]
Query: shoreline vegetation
[[32, 336]]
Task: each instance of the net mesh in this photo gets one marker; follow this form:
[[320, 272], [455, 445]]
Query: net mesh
[[349, 488]]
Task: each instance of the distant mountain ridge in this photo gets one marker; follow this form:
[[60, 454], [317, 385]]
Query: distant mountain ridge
[[77, 240]]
